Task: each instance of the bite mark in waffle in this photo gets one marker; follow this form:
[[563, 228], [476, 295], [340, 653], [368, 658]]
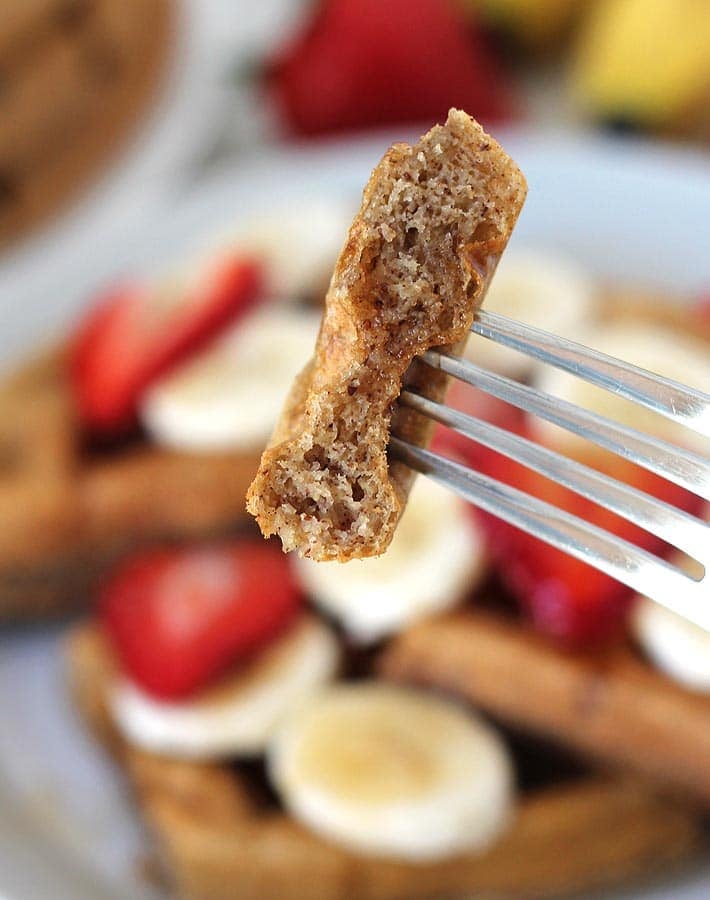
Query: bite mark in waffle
[[217, 842], [611, 705], [69, 512]]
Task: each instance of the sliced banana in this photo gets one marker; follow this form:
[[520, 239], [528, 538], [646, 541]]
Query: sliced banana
[[437, 556], [666, 353], [390, 771], [300, 245], [540, 290], [237, 717], [678, 647], [231, 395]]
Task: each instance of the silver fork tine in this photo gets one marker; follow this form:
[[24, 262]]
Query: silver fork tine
[[669, 523], [680, 466], [662, 395], [620, 559]]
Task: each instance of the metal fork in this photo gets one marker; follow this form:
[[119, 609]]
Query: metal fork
[[662, 581]]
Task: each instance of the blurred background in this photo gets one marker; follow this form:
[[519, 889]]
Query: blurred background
[[108, 106]]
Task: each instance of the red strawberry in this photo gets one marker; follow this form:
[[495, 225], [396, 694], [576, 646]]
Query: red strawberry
[[133, 336], [363, 63], [480, 405], [179, 618], [566, 598]]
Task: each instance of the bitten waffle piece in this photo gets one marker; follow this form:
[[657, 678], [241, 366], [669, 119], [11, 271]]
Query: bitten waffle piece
[[434, 221]]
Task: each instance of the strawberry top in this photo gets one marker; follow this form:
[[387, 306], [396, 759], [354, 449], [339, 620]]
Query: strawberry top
[[137, 333]]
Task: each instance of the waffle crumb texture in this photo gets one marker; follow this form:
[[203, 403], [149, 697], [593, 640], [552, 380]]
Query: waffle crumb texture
[[434, 220]]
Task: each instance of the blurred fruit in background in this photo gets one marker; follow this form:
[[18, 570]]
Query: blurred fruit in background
[[177, 84], [640, 65], [532, 24], [362, 63], [645, 63]]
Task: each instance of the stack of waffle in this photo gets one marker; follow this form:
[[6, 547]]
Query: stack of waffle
[[612, 757]]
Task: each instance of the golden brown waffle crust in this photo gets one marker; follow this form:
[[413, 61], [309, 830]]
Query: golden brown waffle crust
[[418, 258], [216, 842]]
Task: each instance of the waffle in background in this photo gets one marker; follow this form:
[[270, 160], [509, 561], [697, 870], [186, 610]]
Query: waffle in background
[[75, 76], [69, 511], [217, 834]]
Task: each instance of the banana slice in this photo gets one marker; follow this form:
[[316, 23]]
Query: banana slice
[[437, 556], [539, 290], [674, 355], [237, 717], [300, 245], [230, 396], [389, 771], [678, 647]]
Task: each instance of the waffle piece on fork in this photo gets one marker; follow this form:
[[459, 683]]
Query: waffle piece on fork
[[435, 218]]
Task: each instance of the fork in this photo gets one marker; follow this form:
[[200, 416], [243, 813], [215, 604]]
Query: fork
[[663, 582]]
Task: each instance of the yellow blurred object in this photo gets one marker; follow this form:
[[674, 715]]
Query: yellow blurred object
[[534, 23], [644, 62]]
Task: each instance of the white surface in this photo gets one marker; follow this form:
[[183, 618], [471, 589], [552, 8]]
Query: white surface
[[66, 829]]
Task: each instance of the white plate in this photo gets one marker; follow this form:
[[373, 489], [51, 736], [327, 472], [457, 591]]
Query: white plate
[[626, 211]]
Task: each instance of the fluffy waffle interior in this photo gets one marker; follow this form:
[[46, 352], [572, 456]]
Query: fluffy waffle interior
[[69, 510]]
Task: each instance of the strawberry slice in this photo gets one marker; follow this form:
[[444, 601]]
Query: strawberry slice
[[179, 618], [135, 334], [363, 63], [565, 598], [474, 402]]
